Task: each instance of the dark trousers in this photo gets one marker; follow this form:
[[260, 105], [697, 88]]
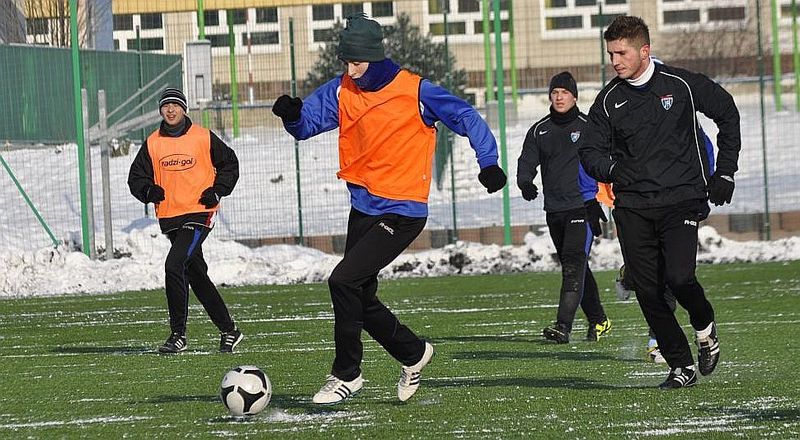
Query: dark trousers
[[186, 267], [573, 238], [660, 251], [373, 241], [668, 296]]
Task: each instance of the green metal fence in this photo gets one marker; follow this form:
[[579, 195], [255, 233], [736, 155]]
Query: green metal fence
[[37, 88], [288, 191]]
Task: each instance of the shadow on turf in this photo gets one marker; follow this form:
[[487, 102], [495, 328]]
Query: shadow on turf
[[285, 402], [590, 356], [103, 350], [580, 383]]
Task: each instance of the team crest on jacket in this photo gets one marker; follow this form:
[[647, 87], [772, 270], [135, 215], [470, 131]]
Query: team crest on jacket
[[666, 102], [575, 135]]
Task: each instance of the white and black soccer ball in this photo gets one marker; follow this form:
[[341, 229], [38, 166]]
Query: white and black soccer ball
[[245, 390]]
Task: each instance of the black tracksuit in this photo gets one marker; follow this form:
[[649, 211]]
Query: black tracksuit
[[373, 241], [653, 130], [185, 265], [552, 143]]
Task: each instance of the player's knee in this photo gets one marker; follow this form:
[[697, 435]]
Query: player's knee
[[679, 282], [174, 265], [337, 281]]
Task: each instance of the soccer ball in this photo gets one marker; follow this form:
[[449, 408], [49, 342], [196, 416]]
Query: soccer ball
[[245, 390]]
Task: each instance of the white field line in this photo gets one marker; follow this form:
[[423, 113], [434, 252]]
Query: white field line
[[101, 420]]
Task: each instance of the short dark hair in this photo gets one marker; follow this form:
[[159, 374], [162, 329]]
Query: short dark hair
[[630, 28]]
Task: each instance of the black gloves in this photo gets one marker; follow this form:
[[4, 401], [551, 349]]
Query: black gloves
[[621, 174], [594, 213], [287, 108], [529, 190], [154, 194], [492, 178], [209, 198], [720, 189]]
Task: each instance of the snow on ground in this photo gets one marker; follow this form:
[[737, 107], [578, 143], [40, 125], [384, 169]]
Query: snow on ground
[[264, 204], [53, 271]]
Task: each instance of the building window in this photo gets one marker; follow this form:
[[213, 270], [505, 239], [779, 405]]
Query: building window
[[324, 17], [568, 22], [151, 21], [266, 15], [684, 16], [321, 12], [148, 44], [38, 26], [726, 14], [578, 18], [607, 19], [323, 35], [218, 40], [454, 28], [123, 22], [695, 13], [465, 19], [211, 18], [349, 9], [469, 6], [261, 38], [239, 16], [382, 9], [478, 26]]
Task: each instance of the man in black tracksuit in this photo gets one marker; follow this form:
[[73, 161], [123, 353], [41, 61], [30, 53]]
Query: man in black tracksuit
[[184, 169], [644, 137], [570, 202]]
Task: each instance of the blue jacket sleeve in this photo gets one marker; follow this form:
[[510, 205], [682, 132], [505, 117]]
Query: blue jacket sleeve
[[709, 151], [440, 105], [586, 184], [320, 112]]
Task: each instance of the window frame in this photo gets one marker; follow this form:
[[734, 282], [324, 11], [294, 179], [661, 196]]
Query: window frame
[[586, 12]]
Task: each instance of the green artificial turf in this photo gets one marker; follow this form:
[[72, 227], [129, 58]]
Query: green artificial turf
[[85, 366]]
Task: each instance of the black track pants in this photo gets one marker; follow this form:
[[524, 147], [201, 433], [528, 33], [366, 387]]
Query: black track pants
[[373, 241], [186, 267], [572, 238], [660, 251]]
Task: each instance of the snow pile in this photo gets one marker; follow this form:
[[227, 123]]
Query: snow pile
[[63, 270]]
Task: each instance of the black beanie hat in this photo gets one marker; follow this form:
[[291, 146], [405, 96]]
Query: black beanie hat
[[175, 96], [361, 40], [564, 80]]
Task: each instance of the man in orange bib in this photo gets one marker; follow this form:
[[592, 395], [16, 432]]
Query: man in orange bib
[[385, 116], [184, 169]]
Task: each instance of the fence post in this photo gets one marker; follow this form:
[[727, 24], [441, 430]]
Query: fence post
[[87, 177], [79, 129], [301, 238], [501, 116], [234, 78], [766, 232], [776, 57], [512, 52], [795, 57], [487, 52], [105, 173]]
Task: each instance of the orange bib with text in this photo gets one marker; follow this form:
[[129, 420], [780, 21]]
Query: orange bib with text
[[182, 166]]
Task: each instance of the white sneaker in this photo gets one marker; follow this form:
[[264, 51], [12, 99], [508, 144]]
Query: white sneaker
[[336, 390], [654, 355], [410, 376]]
